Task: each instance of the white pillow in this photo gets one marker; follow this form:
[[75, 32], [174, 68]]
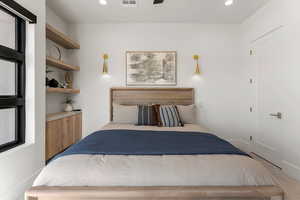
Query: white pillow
[[187, 113], [125, 114]]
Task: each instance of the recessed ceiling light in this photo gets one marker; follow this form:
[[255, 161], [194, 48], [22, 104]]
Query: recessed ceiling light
[[228, 2], [103, 2]]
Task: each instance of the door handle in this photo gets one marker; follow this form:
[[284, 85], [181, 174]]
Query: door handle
[[278, 115]]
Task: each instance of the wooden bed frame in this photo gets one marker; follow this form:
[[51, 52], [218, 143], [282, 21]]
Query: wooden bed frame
[[133, 96]]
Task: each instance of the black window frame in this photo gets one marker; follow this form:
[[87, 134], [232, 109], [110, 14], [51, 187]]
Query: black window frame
[[16, 101]]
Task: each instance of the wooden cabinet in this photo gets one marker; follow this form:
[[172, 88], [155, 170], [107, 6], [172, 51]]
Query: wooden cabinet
[[53, 138], [62, 130], [78, 127], [68, 133]]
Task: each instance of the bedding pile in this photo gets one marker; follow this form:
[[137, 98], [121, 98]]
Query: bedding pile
[[145, 142], [154, 115], [208, 161]]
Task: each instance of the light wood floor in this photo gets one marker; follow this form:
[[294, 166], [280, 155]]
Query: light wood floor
[[290, 186]]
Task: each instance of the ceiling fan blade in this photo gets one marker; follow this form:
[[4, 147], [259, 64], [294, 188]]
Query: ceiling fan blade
[[158, 1]]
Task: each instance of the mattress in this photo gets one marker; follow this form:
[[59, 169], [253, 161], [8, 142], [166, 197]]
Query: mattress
[[162, 170]]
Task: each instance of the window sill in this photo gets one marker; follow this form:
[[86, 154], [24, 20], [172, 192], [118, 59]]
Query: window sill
[[5, 154]]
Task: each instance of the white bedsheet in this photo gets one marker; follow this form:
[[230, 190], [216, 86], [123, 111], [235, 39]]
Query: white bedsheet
[[175, 170]]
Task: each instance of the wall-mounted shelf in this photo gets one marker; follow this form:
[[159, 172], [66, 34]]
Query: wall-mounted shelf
[[61, 65], [60, 38], [63, 90]]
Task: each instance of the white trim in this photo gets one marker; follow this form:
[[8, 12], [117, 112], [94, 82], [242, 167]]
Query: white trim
[[265, 146], [5, 154], [267, 152], [242, 144], [267, 33], [291, 169], [15, 12]]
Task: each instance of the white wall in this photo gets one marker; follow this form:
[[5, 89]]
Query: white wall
[[219, 91], [264, 23], [19, 166], [53, 19]]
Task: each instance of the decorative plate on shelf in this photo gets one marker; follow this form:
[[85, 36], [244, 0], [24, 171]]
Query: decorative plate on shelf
[[55, 52]]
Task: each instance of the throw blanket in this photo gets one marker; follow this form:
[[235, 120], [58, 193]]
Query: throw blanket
[[133, 142]]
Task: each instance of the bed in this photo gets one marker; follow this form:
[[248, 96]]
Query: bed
[[121, 176]]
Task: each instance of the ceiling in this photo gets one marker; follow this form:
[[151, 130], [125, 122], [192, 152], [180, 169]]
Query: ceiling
[[201, 11]]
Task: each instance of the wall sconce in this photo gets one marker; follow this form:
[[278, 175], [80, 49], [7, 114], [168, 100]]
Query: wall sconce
[[105, 65], [197, 71]]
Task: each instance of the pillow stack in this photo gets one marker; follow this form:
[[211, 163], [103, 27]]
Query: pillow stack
[[125, 114], [169, 116], [187, 113], [147, 116], [155, 115]]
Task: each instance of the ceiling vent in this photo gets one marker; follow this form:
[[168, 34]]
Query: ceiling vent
[[129, 3]]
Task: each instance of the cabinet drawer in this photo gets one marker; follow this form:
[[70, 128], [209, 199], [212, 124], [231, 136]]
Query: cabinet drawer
[[68, 131], [53, 138], [78, 127]]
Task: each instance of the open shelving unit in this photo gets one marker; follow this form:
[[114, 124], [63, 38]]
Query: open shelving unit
[[63, 90], [60, 38], [60, 64], [66, 42], [62, 128]]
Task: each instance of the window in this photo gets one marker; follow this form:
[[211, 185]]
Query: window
[[12, 79]]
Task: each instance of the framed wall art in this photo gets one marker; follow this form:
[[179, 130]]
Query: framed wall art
[[152, 68]]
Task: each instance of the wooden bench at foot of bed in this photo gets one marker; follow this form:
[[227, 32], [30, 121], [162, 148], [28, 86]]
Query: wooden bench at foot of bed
[[156, 193]]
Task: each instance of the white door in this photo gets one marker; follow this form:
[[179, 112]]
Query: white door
[[267, 57]]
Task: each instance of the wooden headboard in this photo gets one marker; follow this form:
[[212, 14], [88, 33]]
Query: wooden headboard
[[135, 96]]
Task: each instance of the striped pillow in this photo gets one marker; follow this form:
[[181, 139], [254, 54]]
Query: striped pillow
[[146, 115], [169, 116]]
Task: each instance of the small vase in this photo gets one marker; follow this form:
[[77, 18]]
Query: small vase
[[68, 108]]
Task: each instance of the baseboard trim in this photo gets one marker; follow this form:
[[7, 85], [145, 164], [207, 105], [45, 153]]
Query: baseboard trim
[[291, 169], [265, 146], [241, 144], [265, 160], [268, 152]]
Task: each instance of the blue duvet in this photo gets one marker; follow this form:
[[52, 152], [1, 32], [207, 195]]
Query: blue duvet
[[136, 142]]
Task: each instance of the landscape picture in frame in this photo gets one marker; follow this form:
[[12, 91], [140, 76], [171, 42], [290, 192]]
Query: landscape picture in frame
[[151, 68]]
